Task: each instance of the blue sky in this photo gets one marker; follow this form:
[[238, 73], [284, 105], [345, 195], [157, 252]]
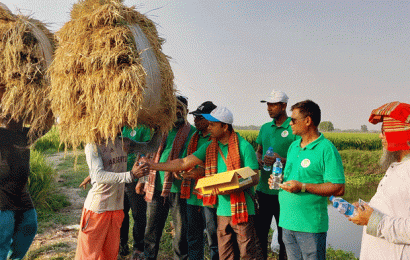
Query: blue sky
[[348, 56]]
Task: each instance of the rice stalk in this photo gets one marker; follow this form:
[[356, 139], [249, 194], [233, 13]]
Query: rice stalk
[[98, 79], [26, 51]]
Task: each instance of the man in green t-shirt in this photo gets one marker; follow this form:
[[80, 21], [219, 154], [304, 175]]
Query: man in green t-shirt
[[198, 215], [134, 201], [163, 190], [227, 151], [278, 135], [313, 172]]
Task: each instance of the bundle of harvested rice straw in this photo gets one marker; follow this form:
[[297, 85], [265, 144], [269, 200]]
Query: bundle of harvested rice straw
[[109, 72], [26, 52]]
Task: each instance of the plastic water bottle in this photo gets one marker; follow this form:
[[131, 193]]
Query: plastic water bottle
[[347, 209], [343, 206], [141, 156], [277, 174], [269, 152], [336, 201], [144, 178]]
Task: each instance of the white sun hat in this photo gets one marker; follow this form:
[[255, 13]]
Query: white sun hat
[[276, 96], [220, 114]]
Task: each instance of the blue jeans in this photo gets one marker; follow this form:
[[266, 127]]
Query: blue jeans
[[157, 214], [17, 231], [211, 230], [199, 218], [302, 245]]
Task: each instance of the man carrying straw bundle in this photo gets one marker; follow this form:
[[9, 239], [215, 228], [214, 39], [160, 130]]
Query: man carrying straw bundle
[[99, 236], [109, 72], [25, 53], [132, 200]]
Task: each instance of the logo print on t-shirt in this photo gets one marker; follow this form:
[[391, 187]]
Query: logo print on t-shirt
[[305, 163], [284, 133], [133, 133]]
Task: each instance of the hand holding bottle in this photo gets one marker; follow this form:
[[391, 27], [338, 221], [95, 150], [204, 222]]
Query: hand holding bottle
[[364, 211], [347, 209]]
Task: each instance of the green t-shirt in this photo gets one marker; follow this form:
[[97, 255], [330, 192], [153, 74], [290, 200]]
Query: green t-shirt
[[279, 138], [193, 200], [138, 134], [248, 159], [176, 185], [318, 162]]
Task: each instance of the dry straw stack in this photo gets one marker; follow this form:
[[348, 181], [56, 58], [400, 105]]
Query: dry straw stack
[[26, 50], [109, 72]]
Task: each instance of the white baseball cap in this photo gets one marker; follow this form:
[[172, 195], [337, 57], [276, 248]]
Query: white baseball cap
[[276, 96], [220, 114]]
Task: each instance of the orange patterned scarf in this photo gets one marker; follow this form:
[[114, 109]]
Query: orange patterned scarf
[[186, 183], [239, 211], [177, 146]]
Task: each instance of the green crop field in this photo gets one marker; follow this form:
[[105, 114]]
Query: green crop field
[[342, 141], [358, 141], [250, 136]]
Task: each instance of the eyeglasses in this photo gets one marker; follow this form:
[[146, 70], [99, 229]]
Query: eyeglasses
[[296, 119], [198, 117]]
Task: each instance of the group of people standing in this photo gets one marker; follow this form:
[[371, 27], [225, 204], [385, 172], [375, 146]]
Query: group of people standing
[[237, 221]]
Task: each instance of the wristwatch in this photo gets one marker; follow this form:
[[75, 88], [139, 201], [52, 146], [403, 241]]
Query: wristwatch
[[303, 187]]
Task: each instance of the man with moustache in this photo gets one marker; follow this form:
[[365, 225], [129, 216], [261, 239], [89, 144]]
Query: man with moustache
[[313, 171], [386, 219], [278, 135]]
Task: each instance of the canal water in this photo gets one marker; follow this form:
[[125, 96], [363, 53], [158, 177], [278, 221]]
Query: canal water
[[342, 233]]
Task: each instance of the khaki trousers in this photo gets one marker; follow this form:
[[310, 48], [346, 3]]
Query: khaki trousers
[[238, 241]]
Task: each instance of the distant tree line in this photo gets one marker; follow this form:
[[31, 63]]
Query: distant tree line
[[326, 126]]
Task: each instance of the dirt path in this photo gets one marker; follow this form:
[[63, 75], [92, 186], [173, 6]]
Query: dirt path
[[76, 201], [59, 241]]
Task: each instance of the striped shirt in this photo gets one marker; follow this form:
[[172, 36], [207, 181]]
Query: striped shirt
[[107, 165]]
